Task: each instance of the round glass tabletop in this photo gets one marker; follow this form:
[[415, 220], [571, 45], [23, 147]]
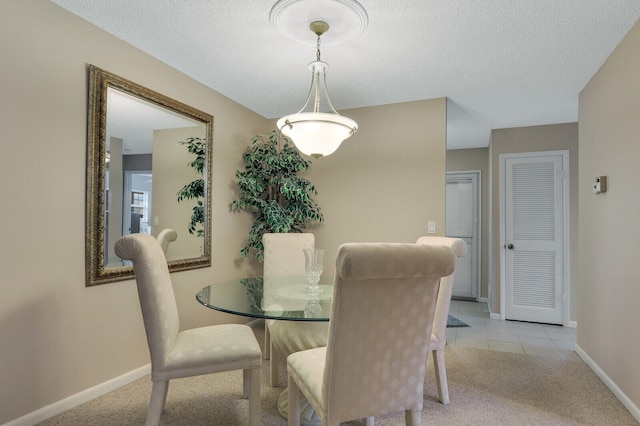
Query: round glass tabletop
[[280, 298]]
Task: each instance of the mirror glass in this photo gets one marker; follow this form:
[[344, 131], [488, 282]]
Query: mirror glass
[[148, 171]]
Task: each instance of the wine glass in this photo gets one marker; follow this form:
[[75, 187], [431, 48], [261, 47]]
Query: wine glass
[[313, 266], [313, 309]]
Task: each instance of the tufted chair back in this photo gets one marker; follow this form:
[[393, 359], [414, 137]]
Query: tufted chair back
[[459, 248], [382, 313], [157, 301], [165, 237], [283, 253], [283, 257]]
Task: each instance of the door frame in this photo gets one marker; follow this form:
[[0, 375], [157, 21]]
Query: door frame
[[566, 256], [126, 201], [475, 176]]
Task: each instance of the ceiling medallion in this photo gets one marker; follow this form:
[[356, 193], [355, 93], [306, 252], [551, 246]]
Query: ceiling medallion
[[291, 18]]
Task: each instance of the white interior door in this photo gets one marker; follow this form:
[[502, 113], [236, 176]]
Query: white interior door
[[534, 203], [462, 221]]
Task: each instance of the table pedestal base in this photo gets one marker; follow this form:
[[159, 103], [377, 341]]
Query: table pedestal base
[[308, 416], [289, 337]]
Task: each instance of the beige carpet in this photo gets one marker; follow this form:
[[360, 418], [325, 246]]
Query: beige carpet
[[486, 388]]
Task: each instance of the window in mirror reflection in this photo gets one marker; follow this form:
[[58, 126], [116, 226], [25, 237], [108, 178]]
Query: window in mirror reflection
[[146, 166]]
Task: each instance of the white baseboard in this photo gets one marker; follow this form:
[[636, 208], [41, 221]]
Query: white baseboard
[[628, 404], [79, 398]]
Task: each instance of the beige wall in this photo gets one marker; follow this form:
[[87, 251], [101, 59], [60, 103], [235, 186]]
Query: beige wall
[[533, 139], [60, 338], [477, 159], [609, 270]]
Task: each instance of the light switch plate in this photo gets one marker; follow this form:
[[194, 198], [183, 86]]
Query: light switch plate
[[431, 228]]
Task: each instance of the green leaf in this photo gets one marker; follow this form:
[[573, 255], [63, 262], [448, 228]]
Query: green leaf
[[195, 190], [270, 188]]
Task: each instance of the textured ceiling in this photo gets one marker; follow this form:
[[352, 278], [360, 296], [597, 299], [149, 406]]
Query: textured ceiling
[[500, 63]]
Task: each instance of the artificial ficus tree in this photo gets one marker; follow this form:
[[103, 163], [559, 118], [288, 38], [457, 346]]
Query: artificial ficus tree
[[269, 187]]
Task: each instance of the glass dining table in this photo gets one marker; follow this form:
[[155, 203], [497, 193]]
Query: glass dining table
[[278, 298]]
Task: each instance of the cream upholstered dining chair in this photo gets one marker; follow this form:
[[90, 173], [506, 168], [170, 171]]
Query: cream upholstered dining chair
[[165, 237], [193, 352], [382, 311], [443, 302], [283, 256]]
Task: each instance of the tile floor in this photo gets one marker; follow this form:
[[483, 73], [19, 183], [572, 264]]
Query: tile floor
[[509, 336]]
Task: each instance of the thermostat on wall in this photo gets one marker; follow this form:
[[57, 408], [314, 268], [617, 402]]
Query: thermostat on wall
[[600, 185]]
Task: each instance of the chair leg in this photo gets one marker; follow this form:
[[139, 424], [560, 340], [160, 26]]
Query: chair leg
[[274, 365], [156, 404], [412, 418], [294, 403], [441, 375], [246, 383], [254, 396], [266, 354]]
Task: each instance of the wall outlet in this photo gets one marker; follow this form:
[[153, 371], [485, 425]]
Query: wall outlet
[[431, 228]]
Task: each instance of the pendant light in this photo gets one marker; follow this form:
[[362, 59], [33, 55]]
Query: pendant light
[[317, 133]]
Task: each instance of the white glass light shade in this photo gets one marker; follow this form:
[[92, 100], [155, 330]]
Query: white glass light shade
[[317, 133]]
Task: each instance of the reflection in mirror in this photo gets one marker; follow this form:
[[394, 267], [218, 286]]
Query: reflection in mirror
[[138, 162]]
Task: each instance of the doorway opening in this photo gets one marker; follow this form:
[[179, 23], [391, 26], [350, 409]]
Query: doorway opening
[[463, 221], [136, 203]]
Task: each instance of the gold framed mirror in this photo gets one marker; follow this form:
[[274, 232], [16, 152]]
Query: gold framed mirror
[[144, 150]]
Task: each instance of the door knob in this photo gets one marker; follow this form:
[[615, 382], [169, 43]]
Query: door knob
[[510, 246]]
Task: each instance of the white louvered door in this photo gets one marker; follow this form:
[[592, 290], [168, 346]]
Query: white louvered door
[[534, 238]]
